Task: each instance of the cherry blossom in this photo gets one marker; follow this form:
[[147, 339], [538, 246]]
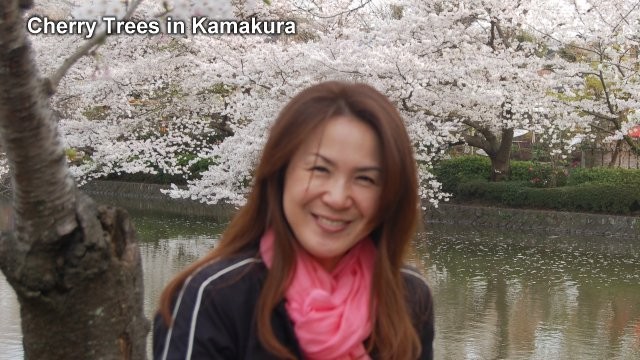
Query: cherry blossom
[[459, 71]]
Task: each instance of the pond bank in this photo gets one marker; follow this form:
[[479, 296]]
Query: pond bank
[[538, 221], [148, 197]]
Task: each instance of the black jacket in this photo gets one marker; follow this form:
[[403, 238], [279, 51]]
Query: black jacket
[[215, 314]]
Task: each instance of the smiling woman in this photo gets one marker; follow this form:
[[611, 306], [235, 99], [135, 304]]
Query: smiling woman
[[313, 265], [332, 189]]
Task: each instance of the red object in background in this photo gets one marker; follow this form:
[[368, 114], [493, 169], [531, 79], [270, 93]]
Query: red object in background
[[634, 132]]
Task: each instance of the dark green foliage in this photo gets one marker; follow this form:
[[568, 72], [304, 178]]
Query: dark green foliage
[[196, 168], [614, 176], [451, 172], [538, 174], [520, 170], [587, 197], [159, 178], [195, 171], [539, 185], [506, 193]]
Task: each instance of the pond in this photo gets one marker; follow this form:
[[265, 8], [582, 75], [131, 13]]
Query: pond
[[498, 295]]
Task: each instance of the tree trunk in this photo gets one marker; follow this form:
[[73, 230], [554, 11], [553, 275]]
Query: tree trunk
[[497, 148], [615, 154], [75, 267], [501, 156], [633, 145], [499, 168]]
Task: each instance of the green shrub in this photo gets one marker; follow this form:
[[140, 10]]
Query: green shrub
[[160, 178], [520, 170], [537, 174], [607, 198], [614, 176], [451, 172], [200, 166], [506, 193], [197, 168], [587, 197]]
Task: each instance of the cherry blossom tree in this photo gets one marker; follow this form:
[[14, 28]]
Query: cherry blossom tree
[[452, 80], [461, 72], [599, 40], [491, 79]]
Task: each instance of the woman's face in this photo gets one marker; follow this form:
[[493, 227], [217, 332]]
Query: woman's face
[[332, 188]]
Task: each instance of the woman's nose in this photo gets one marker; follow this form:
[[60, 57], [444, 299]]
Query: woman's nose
[[338, 194]]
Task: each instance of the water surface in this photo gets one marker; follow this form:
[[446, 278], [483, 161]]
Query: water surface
[[498, 295], [502, 295]]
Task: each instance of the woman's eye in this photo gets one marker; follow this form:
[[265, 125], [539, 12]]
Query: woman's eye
[[320, 169], [367, 179]]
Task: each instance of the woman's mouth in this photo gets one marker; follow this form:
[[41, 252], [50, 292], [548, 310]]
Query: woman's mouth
[[331, 225]]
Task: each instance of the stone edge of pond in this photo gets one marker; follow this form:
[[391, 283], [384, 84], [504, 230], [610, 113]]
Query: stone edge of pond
[[147, 197], [539, 221]]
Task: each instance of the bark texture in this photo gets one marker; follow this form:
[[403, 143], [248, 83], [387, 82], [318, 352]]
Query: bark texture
[[498, 148], [501, 156], [74, 266]]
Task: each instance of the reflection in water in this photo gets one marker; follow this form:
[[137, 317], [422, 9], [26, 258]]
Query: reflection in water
[[10, 340], [498, 295], [518, 296]]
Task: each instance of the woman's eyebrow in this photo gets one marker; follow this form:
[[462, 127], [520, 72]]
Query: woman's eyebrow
[[358, 169], [324, 158], [369, 168]]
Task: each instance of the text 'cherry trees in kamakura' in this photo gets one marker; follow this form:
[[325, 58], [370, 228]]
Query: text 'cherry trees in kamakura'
[[200, 106]]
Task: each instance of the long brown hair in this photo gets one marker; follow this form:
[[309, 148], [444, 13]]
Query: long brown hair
[[393, 335]]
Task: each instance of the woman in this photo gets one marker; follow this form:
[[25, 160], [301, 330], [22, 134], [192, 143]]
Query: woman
[[312, 266]]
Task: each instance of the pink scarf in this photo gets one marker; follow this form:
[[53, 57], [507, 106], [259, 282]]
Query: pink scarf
[[330, 311]]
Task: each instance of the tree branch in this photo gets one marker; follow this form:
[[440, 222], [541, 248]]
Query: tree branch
[[488, 135], [492, 37], [504, 39], [52, 82], [598, 115], [606, 92], [624, 18], [632, 144], [601, 129], [405, 103], [348, 11], [477, 141]]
